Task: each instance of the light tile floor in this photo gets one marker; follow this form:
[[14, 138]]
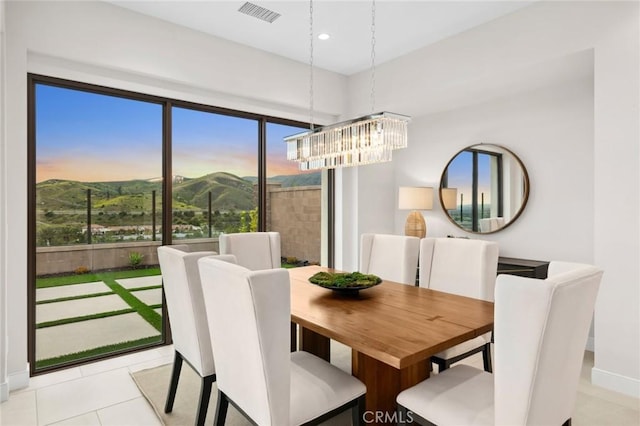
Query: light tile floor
[[103, 393]]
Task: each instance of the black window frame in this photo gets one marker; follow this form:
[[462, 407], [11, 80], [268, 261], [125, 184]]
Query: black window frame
[[475, 224], [167, 105]]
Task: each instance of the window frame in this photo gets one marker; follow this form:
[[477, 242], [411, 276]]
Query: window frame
[[475, 223], [167, 104]]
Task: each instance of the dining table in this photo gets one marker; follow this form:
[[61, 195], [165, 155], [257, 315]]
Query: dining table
[[393, 329]]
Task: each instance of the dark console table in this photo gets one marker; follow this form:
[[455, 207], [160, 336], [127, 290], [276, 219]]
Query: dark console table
[[523, 267]]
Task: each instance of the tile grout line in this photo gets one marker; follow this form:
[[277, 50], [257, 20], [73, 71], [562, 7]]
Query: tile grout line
[[36, 404]]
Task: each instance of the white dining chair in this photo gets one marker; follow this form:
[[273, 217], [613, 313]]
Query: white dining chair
[[541, 329], [253, 250], [256, 251], [391, 257], [249, 314], [188, 319], [467, 268]]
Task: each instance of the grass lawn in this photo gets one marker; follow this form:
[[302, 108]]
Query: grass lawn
[[93, 277]]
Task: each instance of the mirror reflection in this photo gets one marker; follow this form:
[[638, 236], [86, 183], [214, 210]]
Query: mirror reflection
[[484, 188]]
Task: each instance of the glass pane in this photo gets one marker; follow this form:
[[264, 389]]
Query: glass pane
[[485, 190], [294, 207], [215, 175], [460, 176], [98, 185]]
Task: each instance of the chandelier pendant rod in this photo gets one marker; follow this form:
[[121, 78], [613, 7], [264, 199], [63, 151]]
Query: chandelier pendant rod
[[365, 140]]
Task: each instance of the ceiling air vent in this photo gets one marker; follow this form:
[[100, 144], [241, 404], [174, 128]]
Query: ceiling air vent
[[259, 12]]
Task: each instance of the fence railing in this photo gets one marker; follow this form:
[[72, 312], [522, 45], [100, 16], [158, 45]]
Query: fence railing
[[98, 226]]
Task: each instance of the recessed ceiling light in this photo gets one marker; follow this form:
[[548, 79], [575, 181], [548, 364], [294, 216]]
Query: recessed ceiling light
[[324, 36]]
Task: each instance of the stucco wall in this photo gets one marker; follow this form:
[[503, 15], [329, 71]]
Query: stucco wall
[[96, 257], [296, 214]]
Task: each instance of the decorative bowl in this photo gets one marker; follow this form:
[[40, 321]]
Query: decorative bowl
[[345, 282]]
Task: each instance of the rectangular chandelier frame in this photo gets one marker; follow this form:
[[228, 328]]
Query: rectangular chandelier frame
[[364, 140]]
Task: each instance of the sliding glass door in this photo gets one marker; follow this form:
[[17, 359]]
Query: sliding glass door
[[114, 175], [215, 176], [97, 209]]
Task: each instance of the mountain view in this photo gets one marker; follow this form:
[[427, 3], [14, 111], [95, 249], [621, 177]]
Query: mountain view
[[229, 192], [124, 210]]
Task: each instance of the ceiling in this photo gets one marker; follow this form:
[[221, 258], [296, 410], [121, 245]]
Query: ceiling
[[401, 26]]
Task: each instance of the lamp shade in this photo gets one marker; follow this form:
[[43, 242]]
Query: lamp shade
[[415, 198], [449, 198]]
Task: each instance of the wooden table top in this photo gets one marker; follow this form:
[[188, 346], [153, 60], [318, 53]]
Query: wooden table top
[[397, 324]]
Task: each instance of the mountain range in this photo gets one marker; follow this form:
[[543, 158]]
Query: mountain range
[[228, 192]]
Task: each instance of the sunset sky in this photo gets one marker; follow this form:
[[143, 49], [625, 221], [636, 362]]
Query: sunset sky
[[92, 138], [460, 176]]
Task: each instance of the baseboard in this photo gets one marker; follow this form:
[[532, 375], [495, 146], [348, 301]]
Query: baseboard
[[615, 382], [4, 391], [591, 347], [19, 380]]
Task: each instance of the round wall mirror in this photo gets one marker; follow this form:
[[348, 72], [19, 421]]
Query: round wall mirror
[[484, 188]]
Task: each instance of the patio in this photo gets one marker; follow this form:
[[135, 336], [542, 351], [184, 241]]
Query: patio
[[88, 318]]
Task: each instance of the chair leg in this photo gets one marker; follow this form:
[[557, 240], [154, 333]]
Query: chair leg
[[357, 412], [173, 384], [486, 358], [205, 395], [221, 409], [442, 364], [402, 414], [294, 337], [408, 417]]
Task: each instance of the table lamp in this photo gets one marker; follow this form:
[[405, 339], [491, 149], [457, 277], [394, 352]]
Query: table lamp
[[415, 198], [449, 198]]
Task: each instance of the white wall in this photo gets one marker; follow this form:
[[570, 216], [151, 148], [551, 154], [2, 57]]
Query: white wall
[[103, 44], [551, 130], [524, 81], [4, 381], [617, 205]]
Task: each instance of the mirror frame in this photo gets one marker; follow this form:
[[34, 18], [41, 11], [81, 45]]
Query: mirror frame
[[525, 197]]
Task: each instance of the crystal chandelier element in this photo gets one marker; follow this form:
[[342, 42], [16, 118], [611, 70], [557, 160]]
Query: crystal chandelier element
[[365, 140]]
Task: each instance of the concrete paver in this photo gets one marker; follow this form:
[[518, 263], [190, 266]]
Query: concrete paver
[[79, 307], [75, 337], [138, 282], [149, 297], [71, 290], [70, 338]]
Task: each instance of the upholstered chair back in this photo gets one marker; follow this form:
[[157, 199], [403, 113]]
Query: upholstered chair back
[[541, 328], [253, 250], [460, 266], [249, 314], [491, 224], [391, 257], [183, 292]]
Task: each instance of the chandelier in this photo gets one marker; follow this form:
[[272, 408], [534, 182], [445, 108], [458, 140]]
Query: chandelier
[[365, 140]]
